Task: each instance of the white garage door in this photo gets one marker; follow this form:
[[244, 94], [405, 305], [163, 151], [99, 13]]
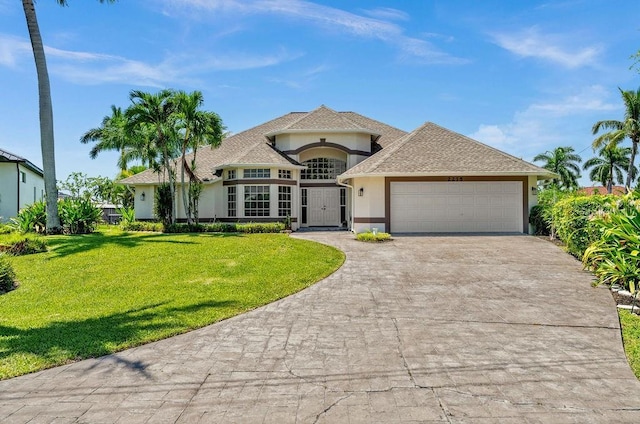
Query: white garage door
[[433, 207]]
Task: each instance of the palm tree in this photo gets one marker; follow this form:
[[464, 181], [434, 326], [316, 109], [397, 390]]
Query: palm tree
[[155, 113], [111, 135], [611, 161], [629, 127], [46, 114], [197, 128], [563, 162]]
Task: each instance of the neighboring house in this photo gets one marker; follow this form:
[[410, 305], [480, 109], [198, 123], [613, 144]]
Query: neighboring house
[[340, 169], [617, 190], [21, 184]]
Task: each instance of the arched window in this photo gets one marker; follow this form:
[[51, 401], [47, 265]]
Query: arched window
[[323, 169]]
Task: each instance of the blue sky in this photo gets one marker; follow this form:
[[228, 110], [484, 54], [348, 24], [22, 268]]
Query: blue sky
[[522, 76]]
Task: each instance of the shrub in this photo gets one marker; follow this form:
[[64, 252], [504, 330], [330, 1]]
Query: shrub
[[224, 227], [7, 276], [371, 237], [258, 227], [78, 216], [18, 245], [570, 218], [6, 229], [31, 219], [615, 257], [142, 226], [127, 215], [540, 217]]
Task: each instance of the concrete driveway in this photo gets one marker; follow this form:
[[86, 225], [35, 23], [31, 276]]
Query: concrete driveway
[[421, 329]]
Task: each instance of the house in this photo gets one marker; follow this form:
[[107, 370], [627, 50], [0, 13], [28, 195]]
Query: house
[[589, 191], [21, 184], [341, 169]]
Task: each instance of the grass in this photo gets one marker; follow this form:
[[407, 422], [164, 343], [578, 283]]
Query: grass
[[631, 337], [92, 295]]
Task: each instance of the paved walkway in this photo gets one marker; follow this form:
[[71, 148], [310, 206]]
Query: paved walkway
[[486, 329]]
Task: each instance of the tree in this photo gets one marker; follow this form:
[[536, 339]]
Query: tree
[[563, 162], [620, 130], [612, 161], [47, 143], [111, 135], [197, 128], [155, 113]]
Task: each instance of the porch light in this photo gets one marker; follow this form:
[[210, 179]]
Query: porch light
[[534, 191], [361, 192], [142, 196]]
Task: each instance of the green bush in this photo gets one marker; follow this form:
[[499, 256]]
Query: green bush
[[6, 229], [540, 217], [142, 226], [571, 219], [78, 216], [18, 245], [371, 237], [31, 219], [224, 227], [7, 276], [163, 205], [127, 215], [615, 257]]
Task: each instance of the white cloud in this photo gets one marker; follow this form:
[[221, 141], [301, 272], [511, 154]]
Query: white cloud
[[545, 125], [553, 48], [96, 68], [387, 13], [13, 49], [323, 16]]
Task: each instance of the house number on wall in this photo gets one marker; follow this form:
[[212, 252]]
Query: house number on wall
[[455, 179]]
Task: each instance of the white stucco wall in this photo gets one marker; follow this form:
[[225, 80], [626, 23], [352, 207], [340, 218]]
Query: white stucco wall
[[532, 195], [15, 194], [8, 191], [371, 204], [353, 141], [144, 208]]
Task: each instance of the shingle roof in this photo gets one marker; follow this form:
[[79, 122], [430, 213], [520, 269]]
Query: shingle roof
[[252, 147], [6, 156], [323, 118], [434, 150]]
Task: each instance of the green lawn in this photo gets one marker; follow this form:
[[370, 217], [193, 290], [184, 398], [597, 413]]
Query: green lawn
[[96, 294], [631, 336]]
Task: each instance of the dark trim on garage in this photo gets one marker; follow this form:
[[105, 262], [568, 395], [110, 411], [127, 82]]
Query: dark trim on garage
[[260, 181], [372, 220], [525, 192], [332, 145]]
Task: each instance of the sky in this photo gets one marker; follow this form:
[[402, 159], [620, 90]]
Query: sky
[[522, 76]]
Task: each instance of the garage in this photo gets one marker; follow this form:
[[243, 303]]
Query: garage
[[456, 206]]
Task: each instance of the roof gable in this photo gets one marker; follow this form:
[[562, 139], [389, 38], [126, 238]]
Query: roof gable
[[251, 147], [434, 150]]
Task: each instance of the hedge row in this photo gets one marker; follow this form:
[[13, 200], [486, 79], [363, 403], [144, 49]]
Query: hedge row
[[216, 227]]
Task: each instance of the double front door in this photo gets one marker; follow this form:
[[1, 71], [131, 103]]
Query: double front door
[[324, 206]]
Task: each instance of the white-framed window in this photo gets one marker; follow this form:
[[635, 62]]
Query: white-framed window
[[284, 200], [231, 174], [284, 174], [303, 203], [232, 201], [256, 200], [257, 173], [323, 169], [23, 176]]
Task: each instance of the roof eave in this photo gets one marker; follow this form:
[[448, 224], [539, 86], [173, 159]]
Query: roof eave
[[324, 130], [265, 165], [445, 174]]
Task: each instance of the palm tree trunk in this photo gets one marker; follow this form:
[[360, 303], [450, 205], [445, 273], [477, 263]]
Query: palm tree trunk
[[632, 159], [46, 118]]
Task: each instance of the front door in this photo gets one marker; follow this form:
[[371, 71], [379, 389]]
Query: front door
[[324, 206]]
